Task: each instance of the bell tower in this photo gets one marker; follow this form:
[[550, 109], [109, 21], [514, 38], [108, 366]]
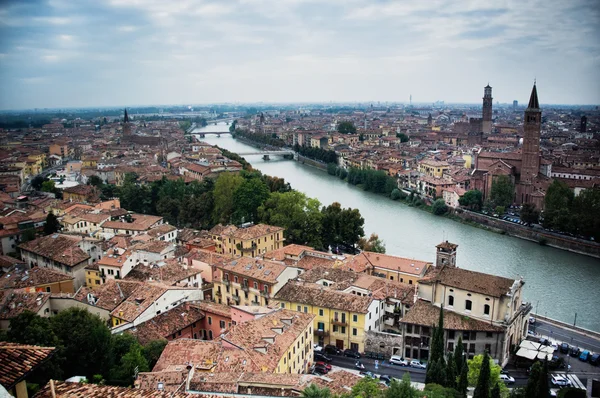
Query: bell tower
[[126, 125], [531, 138], [487, 110], [446, 254]]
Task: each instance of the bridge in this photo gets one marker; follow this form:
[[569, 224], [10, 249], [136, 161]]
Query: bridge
[[266, 154]]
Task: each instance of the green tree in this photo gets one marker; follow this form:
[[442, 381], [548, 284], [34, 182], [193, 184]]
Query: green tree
[[482, 389], [557, 206], [529, 213], [459, 354], [152, 351], [48, 186], [436, 371], [130, 362], [472, 199], [86, 340], [223, 196], [95, 181], [434, 390], [52, 225], [585, 214], [373, 244], [366, 387], [463, 379], [451, 372], [396, 194], [299, 215], [341, 226], [247, 198], [37, 181], [439, 207], [314, 391], [401, 389], [403, 137], [28, 235], [502, 192], [30, 328], [346, 128], [496, 391]]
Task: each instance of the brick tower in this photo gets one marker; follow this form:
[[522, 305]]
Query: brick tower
[[126, 125], [487, 109], [531, 139]]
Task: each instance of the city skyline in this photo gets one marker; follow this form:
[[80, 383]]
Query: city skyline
[[60, 54]]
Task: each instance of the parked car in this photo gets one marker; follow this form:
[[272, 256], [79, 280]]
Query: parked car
[[348, 352], [564, 348], [319, 357], [319, 370], [554, 345], [544, 341], [325, 364], [531, 320], [397, 360], [575, 351], [417, 364], [595, 359], [507, 379], [367, 373], [559, 380], [331, 349], [385, 378], [585, 356]]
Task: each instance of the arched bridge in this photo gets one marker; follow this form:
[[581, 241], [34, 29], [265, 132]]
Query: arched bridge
[[267, 154]]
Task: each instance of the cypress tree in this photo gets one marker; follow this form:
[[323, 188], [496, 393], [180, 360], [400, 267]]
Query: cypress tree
[[482, 390], [463, 381], [542, 382], [458, 354], [437, 365], [496, 391], [450, 372]]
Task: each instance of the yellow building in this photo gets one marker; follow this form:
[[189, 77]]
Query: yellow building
[[433, 168], [93, 279], [247, 241], [393, 268]]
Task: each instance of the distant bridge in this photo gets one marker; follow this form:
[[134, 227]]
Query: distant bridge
[[267, 154]]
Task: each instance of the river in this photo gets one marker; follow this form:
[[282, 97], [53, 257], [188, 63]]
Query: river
[[558, 283]]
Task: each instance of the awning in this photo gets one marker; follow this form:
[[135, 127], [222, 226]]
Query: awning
[[532, 350]]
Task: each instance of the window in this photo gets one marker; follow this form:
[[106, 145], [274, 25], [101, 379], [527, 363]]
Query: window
[[468, 305], [410, 282], [320, 326], [451, 334], [256, 285], [409, 328], [343, 331], [335, 328], [354, 318], [489, 334], [486, 309], [450, 301], [209, 320], [235, 279], [320, 311], [354, 332], [282, 305], [299, 308], [48, 288], [450, 346], [210, 334], [222, 324], [305, 309]]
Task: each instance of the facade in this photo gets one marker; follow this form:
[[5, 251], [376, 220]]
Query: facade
[[393, 268], [38, 279], [248, 240], [433, 168]]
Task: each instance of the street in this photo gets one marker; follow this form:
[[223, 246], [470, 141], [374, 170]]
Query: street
[[565, 335]]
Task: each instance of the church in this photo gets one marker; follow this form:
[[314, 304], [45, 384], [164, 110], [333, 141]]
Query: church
[[526, 169]]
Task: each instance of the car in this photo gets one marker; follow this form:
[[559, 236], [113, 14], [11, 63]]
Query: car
[[575, 351], [325, 364], [398, 360], [544, 341], [585, 356], [331, 349], [564, 348], [554, 345], [595, 359], [348, 352], [507, 379], [367, 373], [385, 378], [319, 370], [317, 348], [530, 333], [322, 357], [417, 364], [561, 381], [531, 320]]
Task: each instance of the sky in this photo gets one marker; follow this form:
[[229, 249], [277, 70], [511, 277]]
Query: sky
[[92, 53]]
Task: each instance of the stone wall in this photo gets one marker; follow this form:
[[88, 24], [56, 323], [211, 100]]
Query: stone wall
[[387, 344], [310, 162], [558, 241]]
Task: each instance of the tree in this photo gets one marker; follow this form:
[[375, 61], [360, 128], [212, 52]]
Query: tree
[[496, 391], [95, 181], [396, 194], [463, 379], [529, 214], [247, 198], [434, 390], [37, 181], [451, 372], [48, 186], [28, 235], [374, 244], [30, 328], [458, 354], [585, 214], [439, 207], [502, 192], [130, 362], [366, 387], [403, 137], [52, 225], [152, 351], [472, 199], [346, 128], [401, 389], [314, 391], [436, 371], [225, 187], [482, 389], [557, 206], [86, 340], [341, 226]]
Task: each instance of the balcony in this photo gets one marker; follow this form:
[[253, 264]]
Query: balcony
[[389, 308], [254, 303], [264, 294], [235, 297], [389, 321], [339, 322], [245, 288], [218, 293], [226, 282], [246, 248], [321, 333]]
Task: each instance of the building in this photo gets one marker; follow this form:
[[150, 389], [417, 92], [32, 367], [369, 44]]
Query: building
[[433, 168], [248, 240], [393, 268], [131, 224], [486, 311], [38, 279], [126, 125], [17, 361], [81, 193], [61, 389], [487, 110]]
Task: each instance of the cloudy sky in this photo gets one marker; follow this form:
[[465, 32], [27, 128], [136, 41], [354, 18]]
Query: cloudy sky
[[62, 53]]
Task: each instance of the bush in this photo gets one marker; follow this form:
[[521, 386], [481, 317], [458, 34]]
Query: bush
[[439, 207], [395, 195]]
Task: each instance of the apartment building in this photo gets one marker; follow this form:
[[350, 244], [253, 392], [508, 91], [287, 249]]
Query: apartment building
[[248, 240]]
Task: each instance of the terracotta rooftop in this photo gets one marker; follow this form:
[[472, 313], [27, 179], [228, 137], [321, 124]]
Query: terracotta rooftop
[[447, 245], [9, 262], [18, 360], [426, 314], [139, 300], [161, 230], [255, 231], [60, 248], [14, 302], [262, 270], [338, 381], [170, 273], [78, 390], [141, 222], [209, 307], [110, 294], [391, 263], [476, 282], [320, 296], [188, 234], [18, 279], [167, 323]]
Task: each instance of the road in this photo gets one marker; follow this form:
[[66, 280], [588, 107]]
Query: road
[[563, 335], [26, 186]]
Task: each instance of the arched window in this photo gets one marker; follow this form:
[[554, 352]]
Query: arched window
[[450, 300]]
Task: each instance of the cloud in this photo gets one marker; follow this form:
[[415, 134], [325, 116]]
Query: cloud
[[200, 51]]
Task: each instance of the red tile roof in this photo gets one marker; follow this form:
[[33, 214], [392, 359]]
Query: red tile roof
[[18, 360]]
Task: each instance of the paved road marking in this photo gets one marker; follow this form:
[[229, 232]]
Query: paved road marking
[[581, 344], [574, 380]]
